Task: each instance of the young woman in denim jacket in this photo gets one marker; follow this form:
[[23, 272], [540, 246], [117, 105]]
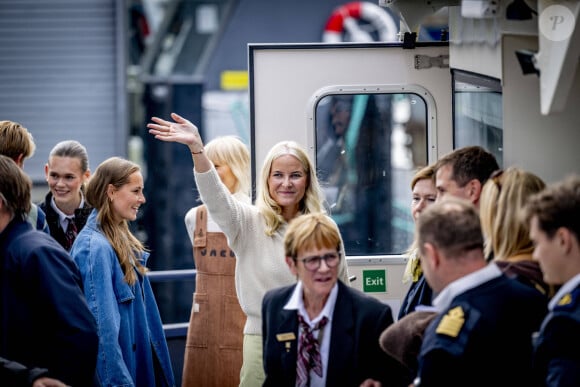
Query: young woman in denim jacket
[[132, 346]]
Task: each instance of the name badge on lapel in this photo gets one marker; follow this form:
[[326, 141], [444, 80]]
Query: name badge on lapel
[[287, 338]]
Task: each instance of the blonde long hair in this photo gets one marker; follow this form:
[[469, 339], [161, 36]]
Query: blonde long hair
[[116, 171], [312, 200], [502, 199]]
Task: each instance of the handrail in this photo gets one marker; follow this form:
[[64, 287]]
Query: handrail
[[175, 329], [171, 275]]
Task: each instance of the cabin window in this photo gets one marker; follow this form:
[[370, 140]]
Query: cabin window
[[368, 147], [477, 112]]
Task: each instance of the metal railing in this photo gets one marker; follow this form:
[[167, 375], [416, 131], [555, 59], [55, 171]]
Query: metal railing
[[175, 329], [176, 333]]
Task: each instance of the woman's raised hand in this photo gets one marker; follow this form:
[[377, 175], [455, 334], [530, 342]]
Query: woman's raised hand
[[184, 132], [181, 131]]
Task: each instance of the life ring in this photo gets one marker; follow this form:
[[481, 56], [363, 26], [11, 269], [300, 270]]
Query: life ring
[[344, 19]]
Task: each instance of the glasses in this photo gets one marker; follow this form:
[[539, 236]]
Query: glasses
[[313, 263], [495, 177]]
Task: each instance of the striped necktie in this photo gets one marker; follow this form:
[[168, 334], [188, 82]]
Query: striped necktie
[[70, 234], [308, 352]]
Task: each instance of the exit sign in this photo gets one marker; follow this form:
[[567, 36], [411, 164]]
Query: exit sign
[[374, 281]]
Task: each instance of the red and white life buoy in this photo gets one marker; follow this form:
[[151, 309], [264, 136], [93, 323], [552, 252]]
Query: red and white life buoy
[[344, 18]]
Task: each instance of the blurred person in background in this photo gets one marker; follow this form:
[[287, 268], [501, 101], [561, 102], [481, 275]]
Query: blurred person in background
[[506, 234], [17, 143], [424, 194]]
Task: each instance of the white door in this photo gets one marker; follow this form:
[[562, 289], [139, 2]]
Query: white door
[[369, 115]]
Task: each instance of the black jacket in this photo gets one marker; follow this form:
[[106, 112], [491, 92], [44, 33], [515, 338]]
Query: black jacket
[[496, 317], [419, 293], [556, 359], [81, 216], [17, 375], [354, 355], [45, 319]]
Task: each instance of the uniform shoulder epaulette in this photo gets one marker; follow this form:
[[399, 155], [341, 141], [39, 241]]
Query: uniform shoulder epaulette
[[569, 300], [452, 322]]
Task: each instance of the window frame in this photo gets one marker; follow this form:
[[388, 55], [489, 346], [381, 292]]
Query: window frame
[[430, 135]]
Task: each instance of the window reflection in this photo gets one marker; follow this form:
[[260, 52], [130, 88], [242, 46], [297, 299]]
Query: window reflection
[[478, 112], [367, 149]]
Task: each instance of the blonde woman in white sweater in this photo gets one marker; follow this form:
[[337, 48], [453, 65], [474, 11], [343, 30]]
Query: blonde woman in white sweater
[[287, 187]]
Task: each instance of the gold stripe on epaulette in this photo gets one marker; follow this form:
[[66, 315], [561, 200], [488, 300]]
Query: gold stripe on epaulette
[[452, 322], [565, 300]]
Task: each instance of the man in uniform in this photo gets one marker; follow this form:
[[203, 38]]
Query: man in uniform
[[554, 216], [481, 313]]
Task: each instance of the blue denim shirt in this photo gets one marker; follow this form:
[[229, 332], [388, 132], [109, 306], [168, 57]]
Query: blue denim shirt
[[132, 346]]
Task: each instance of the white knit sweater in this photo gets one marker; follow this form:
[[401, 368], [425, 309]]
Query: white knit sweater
[[191, 216], [260, 265]]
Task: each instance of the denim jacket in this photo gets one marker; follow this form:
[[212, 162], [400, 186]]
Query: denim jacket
[[132, 346]]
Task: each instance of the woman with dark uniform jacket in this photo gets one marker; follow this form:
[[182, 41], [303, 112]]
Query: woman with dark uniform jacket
[[319, 331]]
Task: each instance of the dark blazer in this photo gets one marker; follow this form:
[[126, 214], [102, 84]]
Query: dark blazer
[[354, 355], [420, 293], [556, 358], [80, 219], [17, 375], [44, 317], [494, 319]]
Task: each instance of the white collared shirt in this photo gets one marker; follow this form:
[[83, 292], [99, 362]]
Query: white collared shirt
[[296, 302], [463, 284], [62, 217], [565, 289]]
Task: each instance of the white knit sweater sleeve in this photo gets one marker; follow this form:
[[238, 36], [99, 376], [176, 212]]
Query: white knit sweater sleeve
[[229, 213]]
